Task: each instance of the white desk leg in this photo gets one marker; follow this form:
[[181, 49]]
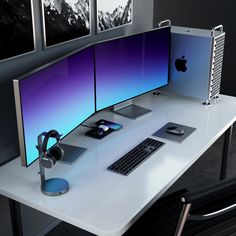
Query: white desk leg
[[226, 152], [15, 218]]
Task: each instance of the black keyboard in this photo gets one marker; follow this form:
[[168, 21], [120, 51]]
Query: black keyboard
[[126, 164]]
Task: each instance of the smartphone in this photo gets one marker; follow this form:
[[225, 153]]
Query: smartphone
[[109, 124]]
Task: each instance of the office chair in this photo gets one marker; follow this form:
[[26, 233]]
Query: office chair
[[209, 211]]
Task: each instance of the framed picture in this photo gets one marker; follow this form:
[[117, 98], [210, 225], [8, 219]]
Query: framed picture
[[65, 20], [17, 34], [113, 13]]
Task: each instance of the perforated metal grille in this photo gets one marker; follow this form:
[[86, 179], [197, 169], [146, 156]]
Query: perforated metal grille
[[217, 63]]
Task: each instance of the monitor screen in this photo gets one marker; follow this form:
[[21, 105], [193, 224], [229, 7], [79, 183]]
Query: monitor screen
[[59, 96], [131, 66]]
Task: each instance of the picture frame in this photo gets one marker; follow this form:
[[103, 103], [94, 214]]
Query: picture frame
[[64, 34], [19, 40], [108, 10]]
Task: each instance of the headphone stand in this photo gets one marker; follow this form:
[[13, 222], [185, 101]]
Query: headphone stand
[[53, 186]]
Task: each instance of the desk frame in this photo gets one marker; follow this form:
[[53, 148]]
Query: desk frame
[[16, 221], [226, 152]]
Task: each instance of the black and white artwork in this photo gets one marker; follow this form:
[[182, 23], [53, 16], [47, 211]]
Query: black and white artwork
[[113, 13], [65, 20], [16, 28]]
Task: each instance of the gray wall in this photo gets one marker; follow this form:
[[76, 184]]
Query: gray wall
[[205, 14], [143, 20]]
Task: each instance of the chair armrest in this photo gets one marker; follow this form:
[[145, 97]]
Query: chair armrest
[[212, 214], [220, 189]]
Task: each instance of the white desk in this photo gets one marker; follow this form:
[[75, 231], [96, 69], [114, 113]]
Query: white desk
[[106, 203]]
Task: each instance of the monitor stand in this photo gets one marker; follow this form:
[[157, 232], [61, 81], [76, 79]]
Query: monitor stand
[[71, 153], [128, 109]]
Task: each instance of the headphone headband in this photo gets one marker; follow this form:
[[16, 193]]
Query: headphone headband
[[50, 134]]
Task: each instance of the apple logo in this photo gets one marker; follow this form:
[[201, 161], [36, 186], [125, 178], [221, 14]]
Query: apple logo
[[180, 64]]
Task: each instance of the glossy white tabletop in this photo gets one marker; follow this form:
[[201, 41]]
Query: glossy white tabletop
[[106, 203]]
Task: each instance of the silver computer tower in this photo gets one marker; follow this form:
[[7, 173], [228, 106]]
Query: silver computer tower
[[196, 62]]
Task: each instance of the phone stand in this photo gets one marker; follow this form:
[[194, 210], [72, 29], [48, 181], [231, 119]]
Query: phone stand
[[53, 186]]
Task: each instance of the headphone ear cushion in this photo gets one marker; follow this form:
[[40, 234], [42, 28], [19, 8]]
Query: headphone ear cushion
[[53, 159], [56, 152], [48, 162]]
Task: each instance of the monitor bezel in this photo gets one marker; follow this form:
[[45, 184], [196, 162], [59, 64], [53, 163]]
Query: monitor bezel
[[18, 104], [127, 36]]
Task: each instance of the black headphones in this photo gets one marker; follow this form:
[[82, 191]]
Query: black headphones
[[55, 153]]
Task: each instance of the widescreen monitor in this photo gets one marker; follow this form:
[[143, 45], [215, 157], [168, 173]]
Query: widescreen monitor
[[59, 96], [131, 66]]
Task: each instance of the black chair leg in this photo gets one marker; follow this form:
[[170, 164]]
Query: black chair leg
[[15, 218], [226, 152]]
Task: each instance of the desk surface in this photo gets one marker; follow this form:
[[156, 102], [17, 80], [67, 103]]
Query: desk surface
[[106, 203]]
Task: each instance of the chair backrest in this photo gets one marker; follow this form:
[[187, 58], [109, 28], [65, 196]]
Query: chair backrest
[[207, 208], [186, 214], [162, 217]]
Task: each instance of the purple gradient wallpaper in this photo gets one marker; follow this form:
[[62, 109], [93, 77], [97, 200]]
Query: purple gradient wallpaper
[[130, 66], [58, 97]]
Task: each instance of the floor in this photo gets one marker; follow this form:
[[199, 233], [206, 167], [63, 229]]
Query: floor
[[204, 172]]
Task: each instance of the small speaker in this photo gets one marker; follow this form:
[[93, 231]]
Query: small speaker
[[196, 62]]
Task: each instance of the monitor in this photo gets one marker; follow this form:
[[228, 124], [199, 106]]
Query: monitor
[[58, 96], [131, 66]]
